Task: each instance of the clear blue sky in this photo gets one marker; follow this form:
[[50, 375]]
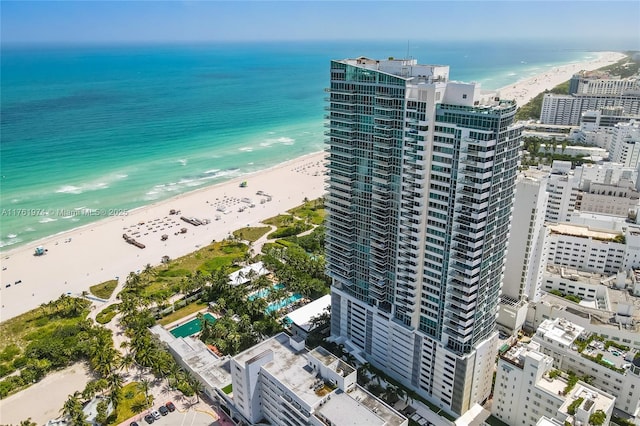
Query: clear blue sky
[[183, 21]]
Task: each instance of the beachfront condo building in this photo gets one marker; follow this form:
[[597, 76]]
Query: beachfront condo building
[[420, 192]]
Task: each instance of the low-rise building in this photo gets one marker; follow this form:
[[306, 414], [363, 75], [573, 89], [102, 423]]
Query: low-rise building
[[526, 390], [280, 382], [607, 364]]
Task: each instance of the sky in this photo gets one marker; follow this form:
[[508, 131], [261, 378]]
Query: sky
[[88, 21]]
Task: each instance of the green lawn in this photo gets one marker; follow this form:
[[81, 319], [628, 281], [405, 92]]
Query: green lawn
[[104, 290], [165, 280], [251, 233], [280, 220], [313, 211], [107, 313], [131, 403], [182, 312]]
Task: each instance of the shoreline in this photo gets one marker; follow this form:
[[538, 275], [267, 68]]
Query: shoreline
[[96, 252], [52, 237]]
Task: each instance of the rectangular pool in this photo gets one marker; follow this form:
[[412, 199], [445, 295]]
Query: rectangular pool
[[192, 327]]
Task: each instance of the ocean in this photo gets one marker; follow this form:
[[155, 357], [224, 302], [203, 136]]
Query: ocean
[[91, 130]]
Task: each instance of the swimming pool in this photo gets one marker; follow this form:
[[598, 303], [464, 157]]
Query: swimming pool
[[192, 327], [276, 306], [262, 293]]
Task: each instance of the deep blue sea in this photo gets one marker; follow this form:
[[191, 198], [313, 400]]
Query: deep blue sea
[[99, 127]]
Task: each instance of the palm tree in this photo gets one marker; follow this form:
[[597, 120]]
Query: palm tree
[[127, 361], [72, 409], [195, 385], [148, 271], [144, 385]]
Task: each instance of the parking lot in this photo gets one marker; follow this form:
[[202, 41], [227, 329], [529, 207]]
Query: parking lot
[[186, 418]]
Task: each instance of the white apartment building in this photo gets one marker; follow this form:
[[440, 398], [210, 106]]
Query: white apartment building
[[596, 127], [420, 190], [600, 83], [620, 323], [586, 249], [594, 250], [279, 382], [562, 187], [527, 253], [568, 109], [525, 391], [588, 286], [615, 374], [625, 144]]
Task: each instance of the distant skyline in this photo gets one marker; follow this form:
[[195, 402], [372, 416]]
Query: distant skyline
[[612, 24]]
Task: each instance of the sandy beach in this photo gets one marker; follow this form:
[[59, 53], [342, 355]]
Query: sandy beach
[[98, 252], [525, 90], [80, 258]]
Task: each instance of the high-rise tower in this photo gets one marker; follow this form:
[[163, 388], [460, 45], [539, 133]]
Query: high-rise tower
[[420, 190]]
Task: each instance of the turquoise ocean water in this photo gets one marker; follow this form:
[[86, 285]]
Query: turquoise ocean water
[[95, 128]]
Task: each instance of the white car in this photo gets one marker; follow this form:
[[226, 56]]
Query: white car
[[156, 415]]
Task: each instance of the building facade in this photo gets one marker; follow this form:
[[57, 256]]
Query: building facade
[[420, 192], [525, 392], [527, 254], [568, 109], [610, 368]]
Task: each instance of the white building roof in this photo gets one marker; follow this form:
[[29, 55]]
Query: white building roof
[[240, 276], [195, 354], [302, 316], [581, 231], [560, 330]]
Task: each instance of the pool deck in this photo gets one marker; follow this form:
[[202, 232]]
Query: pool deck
[[186, 319]]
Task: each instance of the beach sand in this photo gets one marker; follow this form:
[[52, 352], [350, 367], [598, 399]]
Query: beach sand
[[80, 258], [95, 253], [525, 90], [44, 400]]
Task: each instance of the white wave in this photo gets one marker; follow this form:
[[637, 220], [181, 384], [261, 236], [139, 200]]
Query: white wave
[[69, 189], [74, 189], [122, 176], [71, 216], [183, 161], [511, 74], [212, 171], [80, 208], [191, 184], [5, 243], [47, 220], [12, 235], [246, 149], [151, 193], [29, 229]]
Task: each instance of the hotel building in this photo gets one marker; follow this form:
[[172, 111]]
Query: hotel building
[[611, 368], [420, 192], [526, 391]]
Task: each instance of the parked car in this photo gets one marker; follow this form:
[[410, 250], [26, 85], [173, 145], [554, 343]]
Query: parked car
[[170, 406], [163, 410], [149, 418], [155, 414], [133, 424]]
